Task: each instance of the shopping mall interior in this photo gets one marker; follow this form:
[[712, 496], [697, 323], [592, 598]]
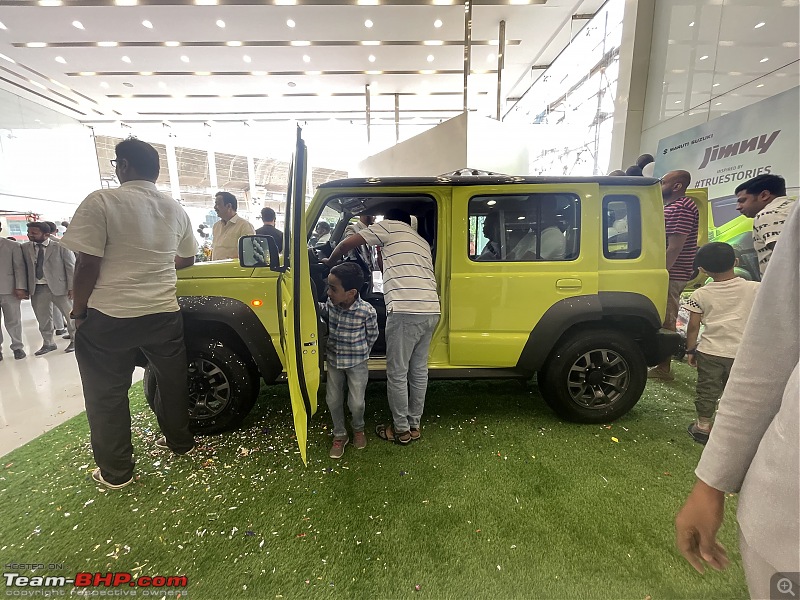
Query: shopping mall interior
[[568, 88]]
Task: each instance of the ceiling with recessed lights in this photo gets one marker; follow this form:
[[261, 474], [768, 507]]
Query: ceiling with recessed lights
[[276, 60]]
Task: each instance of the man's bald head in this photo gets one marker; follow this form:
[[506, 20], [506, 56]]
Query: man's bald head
[[674, 184]]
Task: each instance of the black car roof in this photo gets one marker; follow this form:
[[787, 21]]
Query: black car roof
[[466, 180]]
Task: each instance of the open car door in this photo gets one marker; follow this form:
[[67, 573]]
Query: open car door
[[298, 315]]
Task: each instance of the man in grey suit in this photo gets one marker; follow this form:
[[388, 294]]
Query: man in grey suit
[[51, 267], [13, 288]]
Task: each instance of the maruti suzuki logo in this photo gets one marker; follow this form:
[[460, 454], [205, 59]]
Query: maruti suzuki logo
[[760, 143]]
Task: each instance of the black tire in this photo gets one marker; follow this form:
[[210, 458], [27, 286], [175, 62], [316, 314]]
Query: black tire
[[593, 376], [222, 387]]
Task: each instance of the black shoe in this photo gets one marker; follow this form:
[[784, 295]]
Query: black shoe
[[61, 331], [45, 349], [19, 354], [70, 348], [698, 435], [67, 337]]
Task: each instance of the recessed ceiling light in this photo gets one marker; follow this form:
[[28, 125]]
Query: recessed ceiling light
[[763, 60], [371, 58], [430, 57], [146, 73], [717, 103], [313, 72], [789, 44], [104, 85], [306, 58], [759, 25], [220, 23], [368, 23], [147, 24], [427, 72], [172, 44], [77, 24], [126, 59], [61, 59], [734, 73], [233, 43], [299, 43], [705, 56], [37, 84], [433, 43], [247, 59], [11, 60], [87, 73], [126, 2], [36, 44], [371, 43], [715, 85], [106, 44], [185, 58], [2, 26], [691, 24], [50, 2], [437, 23], [290, 23], [202, 73], [677, 101], [760, 85]]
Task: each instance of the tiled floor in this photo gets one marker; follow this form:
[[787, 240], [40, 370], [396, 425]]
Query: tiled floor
[[37, 393]]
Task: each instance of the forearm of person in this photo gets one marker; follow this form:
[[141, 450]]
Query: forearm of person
[[692, 331], [354, 241], [182, 263], [674, 246], [87, 270], [767, 356]]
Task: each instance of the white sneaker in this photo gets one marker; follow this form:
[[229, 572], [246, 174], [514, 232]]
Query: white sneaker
[[98, 477]]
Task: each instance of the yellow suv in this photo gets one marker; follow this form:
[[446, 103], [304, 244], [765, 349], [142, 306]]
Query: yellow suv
[[562, 277]]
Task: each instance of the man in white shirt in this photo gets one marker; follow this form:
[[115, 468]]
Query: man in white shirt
[[129, 242], [764, 200], [230, 227], [412, 312]]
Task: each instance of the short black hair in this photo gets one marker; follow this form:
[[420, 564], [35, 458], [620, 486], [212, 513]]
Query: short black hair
[[398, 214], [774, 184], [40, 225], [141, 156], [267, 214], [715, 257], [644, 160], [350, 274], [228, 198], [634, 171], [323, 226], [65, 224], [53, 227]]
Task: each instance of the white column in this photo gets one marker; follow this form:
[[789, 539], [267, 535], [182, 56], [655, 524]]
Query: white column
[[172, 165]]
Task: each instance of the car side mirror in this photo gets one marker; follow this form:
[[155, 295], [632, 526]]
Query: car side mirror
[[258, 251]]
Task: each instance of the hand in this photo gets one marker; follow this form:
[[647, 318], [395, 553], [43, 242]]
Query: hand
[[696, 528], [325, 261], [691, 360], [21, 294]]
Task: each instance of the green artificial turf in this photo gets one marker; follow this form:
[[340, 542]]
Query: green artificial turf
[[498, 500]]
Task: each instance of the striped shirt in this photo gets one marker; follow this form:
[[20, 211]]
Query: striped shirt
[[767, 226], [681, 218], [409, 284], [351, 333]]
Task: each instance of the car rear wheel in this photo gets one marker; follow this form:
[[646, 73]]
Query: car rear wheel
[[222, 387], [593, 376]]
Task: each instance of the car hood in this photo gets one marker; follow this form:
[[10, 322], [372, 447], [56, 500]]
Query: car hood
[[215, 269]]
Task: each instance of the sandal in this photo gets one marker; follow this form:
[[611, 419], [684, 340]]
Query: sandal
[[414, 434], [385, 432]]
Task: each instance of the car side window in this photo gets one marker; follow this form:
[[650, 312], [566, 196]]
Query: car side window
[[622, 227], [524, 228]]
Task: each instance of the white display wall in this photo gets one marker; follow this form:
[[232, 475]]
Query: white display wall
[[712, 57]]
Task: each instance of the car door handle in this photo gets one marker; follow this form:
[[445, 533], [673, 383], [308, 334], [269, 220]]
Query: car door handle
[[569, 284]]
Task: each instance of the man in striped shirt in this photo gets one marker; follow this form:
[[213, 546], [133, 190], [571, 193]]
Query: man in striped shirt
[[764, 200], [681, 219], [412, 312]]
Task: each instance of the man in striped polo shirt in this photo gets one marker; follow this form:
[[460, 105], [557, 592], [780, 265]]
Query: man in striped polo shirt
[[412, 312], [681, 220], [764, 200]]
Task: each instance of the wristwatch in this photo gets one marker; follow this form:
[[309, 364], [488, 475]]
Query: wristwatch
[[79, 317], [692, 351]]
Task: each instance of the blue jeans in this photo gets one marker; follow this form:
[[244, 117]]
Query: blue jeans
[[356, 380], [408, 339]]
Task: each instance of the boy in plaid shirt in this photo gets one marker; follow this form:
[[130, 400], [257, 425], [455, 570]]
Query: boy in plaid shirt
[[352, 330]]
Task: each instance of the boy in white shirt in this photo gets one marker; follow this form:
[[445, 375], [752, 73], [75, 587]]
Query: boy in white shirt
[[723, 307]]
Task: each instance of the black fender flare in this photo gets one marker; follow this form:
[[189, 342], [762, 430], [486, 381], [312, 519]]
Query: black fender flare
[[245, 324], [631, 311]]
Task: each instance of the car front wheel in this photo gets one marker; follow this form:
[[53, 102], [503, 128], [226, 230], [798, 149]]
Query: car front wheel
[[593, 376], [222, 387]]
